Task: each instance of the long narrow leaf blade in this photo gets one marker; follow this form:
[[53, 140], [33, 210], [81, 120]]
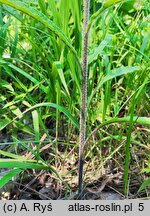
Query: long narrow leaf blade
[[56, 106], [118, 72], [14, 156], [99, 49], [11, 163], [5, 179], [145, 184], [35, 117]]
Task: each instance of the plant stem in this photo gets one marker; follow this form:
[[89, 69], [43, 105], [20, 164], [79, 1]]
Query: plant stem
[[86, 6]]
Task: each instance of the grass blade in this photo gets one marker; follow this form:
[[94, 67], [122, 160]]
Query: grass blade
[[14, 156], [12, 163], [36, 131], [5, 179], [4, 123], [100, 48], [119, 72], [145, 184]]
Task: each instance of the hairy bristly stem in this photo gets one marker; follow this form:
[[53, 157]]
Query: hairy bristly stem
[[86, 6]]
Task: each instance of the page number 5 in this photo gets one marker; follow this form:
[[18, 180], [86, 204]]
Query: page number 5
[[141, 207]]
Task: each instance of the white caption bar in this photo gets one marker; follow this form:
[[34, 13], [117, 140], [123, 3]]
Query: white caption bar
[[68, 208]]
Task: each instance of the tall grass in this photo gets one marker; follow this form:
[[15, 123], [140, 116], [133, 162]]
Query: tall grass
[[52, 81]]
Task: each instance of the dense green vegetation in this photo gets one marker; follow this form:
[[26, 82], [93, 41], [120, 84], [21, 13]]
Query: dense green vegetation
[[41, 88]]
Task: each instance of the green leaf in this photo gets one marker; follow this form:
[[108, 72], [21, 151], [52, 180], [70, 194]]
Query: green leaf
[[127, 6], [145, 184], [35, 117], [5, 179], [5, 84], [14, 101], [100, 48], [16, 111], [146, 170], [26, 146], [9, 72], [118, 72], [40, 17], [14, 156], [36, 125], [105, 6], [4, 123], [61, 75], [112, 74], [42, 6], [60, 108], [12, 163], [136, 119], [22, 72]]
